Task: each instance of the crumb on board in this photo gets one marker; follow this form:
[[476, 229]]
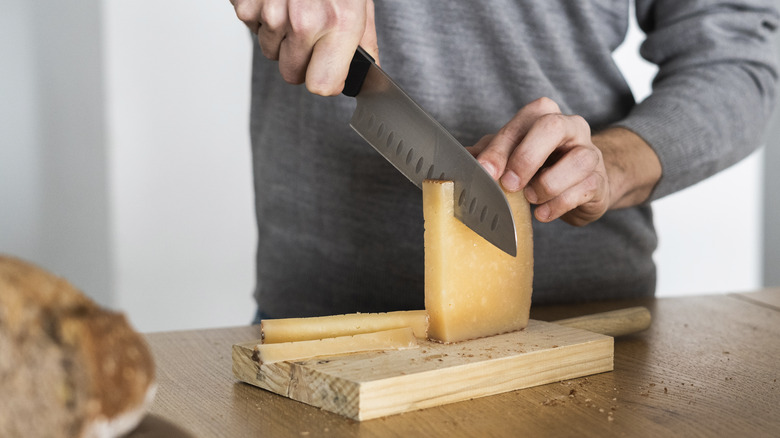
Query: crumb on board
[[553, 402]]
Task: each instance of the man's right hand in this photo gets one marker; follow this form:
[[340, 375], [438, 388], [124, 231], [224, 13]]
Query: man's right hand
[[313, 40]]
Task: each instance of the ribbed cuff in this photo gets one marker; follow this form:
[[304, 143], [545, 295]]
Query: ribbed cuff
[[676, 138]]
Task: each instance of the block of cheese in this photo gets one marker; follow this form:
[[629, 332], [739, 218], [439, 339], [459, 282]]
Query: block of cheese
[[304, 329], [472, 288], [395, 339]]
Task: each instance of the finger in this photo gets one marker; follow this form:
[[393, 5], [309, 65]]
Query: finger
[[547, 134], [573, 167], [581, 204], [273, 27], [516, 129], [334, 44], [307, 25], [369, 40], [248, 12], [479, 146], [294, 58], [330, 61], [497, 153]]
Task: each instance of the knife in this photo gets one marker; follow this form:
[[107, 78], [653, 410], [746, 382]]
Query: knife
[[420, 148]]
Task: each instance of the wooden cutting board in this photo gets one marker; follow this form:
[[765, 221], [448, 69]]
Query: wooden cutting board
[[371, 385]]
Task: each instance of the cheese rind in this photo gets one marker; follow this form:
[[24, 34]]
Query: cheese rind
[[320, 327], [472, 288], [395, 339]]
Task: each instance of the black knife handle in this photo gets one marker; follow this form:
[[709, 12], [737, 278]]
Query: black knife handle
[[358, 69]]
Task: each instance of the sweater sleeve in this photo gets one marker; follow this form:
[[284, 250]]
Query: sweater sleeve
[[715, 86]]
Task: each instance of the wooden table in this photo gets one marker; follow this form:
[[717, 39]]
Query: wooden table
[[708, 366]]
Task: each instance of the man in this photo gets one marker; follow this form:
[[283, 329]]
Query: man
[[532, 85]]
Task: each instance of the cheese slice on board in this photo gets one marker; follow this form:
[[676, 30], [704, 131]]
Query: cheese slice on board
[[319, 327], [472, 288], [395, 339]]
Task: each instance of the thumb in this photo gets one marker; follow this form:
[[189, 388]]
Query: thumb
[[369, 41]]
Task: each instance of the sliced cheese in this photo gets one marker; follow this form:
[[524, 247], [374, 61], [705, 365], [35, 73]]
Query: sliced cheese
[[472, 288], [303, 329], [395, 339]]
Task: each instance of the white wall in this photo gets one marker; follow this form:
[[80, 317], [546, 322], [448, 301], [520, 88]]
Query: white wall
[[178, 77], [20, 157], [124, 163], [53, 194]]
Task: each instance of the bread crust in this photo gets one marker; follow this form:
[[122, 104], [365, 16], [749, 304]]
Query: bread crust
[[67, 363]]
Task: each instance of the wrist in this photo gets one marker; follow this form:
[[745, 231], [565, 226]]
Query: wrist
[[633, 168]]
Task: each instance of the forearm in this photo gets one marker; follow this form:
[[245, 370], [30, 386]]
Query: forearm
[[633, 168], [715, 87]]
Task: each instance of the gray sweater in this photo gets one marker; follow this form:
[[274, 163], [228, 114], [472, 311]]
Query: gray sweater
[[340, 230]]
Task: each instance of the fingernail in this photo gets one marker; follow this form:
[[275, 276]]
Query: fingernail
[[510, 181], [530, 194], [543, 212]]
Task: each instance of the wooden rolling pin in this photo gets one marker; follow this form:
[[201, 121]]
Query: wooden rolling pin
[[615, 323]]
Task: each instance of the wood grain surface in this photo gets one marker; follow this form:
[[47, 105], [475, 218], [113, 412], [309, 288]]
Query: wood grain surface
[[708, 366], [375, 384], [768, 298]]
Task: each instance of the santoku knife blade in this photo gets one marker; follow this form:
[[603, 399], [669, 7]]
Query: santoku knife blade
[[420, 148]]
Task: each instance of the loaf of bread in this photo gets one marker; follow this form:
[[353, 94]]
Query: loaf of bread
[[68, 368]]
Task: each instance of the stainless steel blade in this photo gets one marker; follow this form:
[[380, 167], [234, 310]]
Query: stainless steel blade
[[419, 147]]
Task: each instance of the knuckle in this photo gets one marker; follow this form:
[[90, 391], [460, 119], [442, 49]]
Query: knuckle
[[486, 138], [507, 134], [581, 124], [273, 16], [593, 193], [544, 186], [347, 18], [311, 22], [569, 127], [544, 105], [291, 76], [246, 11], [333, 16], [569, 201], [591, 185], [519, 162], [600, 188], [293, 79], [268, 50], [585, 158], [321, 88], [302, 22], [552, 122]]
